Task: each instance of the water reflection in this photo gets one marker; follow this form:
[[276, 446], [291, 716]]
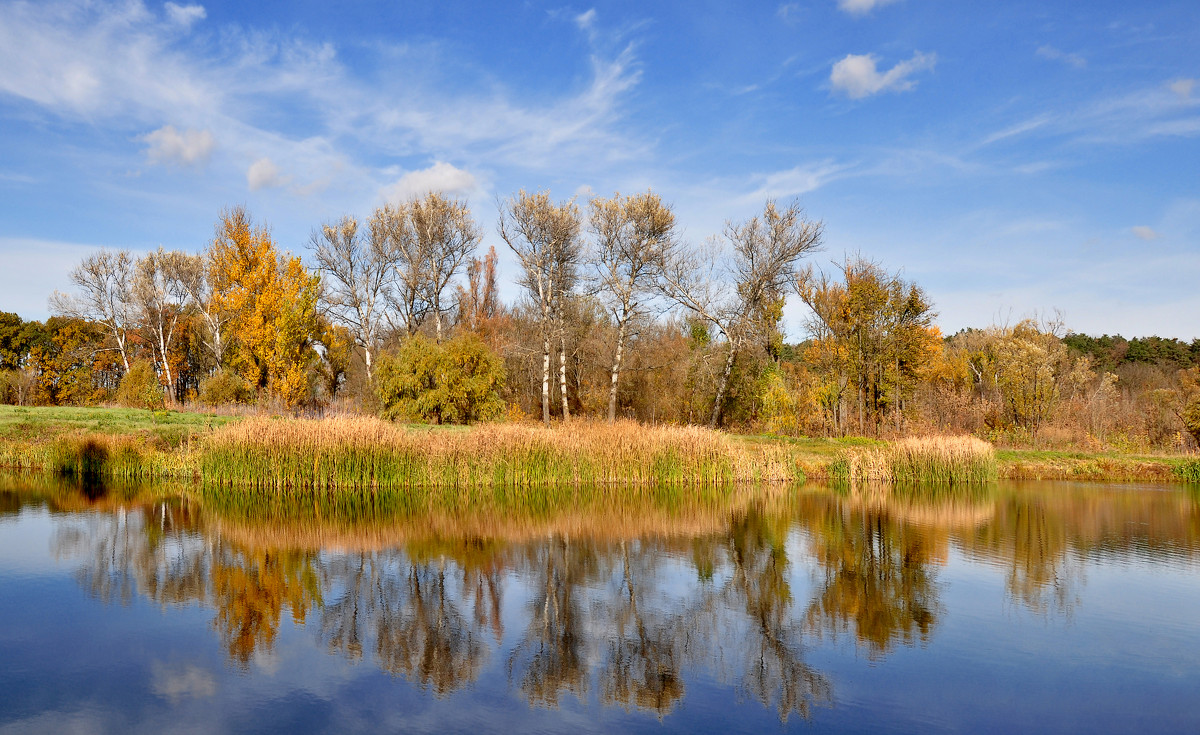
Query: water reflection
[[877, 574], [609, 604]]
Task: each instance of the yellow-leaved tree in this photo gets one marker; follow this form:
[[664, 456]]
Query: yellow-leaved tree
[[270, 301]]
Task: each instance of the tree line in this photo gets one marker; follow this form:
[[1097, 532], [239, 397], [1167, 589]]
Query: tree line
[[618, 316]]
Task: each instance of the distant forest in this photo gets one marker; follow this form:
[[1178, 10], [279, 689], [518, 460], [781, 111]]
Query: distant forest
[[398, 314]]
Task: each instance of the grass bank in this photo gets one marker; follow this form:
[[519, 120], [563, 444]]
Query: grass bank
[[364, 452], [356, 453]]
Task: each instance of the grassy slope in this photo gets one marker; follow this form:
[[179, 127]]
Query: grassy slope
[[22, 429], [169, 428]]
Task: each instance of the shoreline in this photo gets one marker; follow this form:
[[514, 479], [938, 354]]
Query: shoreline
[[339, 453]]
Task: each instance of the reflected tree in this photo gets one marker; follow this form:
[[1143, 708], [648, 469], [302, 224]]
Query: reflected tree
[[552, 657], [642, 669], [875, 578]]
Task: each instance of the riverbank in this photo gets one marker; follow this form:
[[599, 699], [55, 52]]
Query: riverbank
[[359, 452]]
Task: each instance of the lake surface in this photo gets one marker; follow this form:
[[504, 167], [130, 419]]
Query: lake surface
[[1033, 608]]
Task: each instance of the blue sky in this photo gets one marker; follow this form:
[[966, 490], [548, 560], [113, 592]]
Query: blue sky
[[1011, 157]]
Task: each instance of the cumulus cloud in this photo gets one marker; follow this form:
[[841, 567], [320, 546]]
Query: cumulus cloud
[[856, 76], [441, 176], [1183, 87], [182, 147], [264, 174], [861, 7], [1049, 52], [185, 15], [1145, 233]]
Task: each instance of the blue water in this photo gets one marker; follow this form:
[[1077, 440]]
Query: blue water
[[1036, 608]]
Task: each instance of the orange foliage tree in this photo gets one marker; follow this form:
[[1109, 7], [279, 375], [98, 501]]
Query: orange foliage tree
[[271, 302]]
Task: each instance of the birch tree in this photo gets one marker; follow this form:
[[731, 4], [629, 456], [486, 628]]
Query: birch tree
[[193, 273], [105, 297], [359, 271], [445, 236], [388, 230], [545, 238], [742, 297], [161, 298], [635, 236]]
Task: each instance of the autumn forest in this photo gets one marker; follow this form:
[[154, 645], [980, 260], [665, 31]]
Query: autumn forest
[[398, 314]]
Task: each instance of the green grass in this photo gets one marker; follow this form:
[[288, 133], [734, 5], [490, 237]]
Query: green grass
[[170, 428], [1188, 471]]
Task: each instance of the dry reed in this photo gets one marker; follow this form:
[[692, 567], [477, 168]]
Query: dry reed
[[944, 460], [362, 453]]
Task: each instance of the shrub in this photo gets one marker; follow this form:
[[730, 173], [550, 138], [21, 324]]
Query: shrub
[[140, 387], [455, 383], [223, 387]]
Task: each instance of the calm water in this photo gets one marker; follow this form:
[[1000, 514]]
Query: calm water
[[1032, 608]]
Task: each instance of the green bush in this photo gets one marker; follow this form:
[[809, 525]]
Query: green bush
[[453, 383], [224, 387], [140, 387]]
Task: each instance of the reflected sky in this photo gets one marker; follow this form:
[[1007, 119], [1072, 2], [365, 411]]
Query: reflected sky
[[1039, 607]]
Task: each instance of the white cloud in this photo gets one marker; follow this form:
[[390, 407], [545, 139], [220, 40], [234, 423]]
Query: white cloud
[[861, 7], [856, 76], [1049, 52], [441, 177], [264, 174], [586, 20], [1183, 87], [1015, 130], [1145, 233], [183, 147], [185, 15], [793, 182], [788, 12]]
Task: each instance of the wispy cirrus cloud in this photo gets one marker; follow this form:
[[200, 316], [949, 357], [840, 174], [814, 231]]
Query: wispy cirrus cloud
[[1070, 59], [185, 15], [139, 69]]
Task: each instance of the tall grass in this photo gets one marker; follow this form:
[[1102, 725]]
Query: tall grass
[[940, 460], [1188, 471], [110, 456], [369, 453]]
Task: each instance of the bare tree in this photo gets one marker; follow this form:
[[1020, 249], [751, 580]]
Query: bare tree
[[105, 283], [192, 273], [545, 238], [635, 236], [478, 302], [388, 231], [360, 271], [160, 294], [742, 302], [445, 235]]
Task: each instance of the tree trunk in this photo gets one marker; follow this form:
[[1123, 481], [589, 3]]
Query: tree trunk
[[166, 367], [562, 372], [367, 356], [546, 378], [616, 372], [437, 321], [716, 412]]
